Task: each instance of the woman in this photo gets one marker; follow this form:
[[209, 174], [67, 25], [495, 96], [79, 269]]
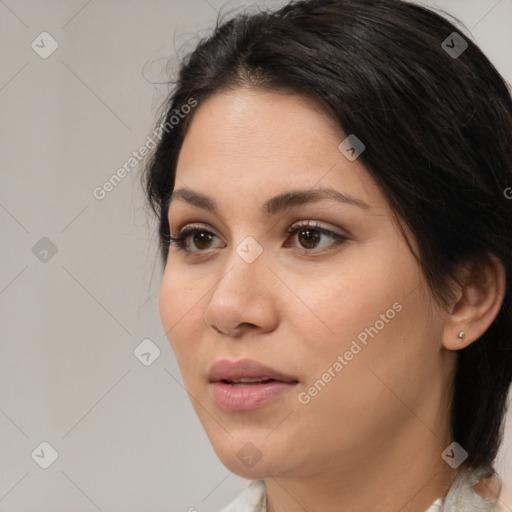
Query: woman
[[330, 186]]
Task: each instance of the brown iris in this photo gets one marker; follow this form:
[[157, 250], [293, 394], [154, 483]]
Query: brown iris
[[309, 237], [201, 237]]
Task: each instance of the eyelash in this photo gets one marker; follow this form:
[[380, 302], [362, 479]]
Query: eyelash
[[188, 231]]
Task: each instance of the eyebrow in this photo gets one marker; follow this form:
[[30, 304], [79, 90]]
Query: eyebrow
[[276, 204]]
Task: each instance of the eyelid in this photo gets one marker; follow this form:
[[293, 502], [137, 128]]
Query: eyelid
[[304, 223], [193, 227], [313, 224]]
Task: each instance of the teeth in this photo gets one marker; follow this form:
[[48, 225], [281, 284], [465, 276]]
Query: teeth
[[238, 384], [253, 379]]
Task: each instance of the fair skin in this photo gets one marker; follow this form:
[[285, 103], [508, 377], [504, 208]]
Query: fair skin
[[372, 439]]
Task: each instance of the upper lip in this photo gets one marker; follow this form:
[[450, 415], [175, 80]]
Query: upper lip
[[245, 368]]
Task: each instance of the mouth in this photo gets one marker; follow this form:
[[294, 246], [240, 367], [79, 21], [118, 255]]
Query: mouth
[[246, 372], [246, 385], [247, 382]]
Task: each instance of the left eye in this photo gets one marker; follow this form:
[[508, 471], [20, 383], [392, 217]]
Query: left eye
[[309, 236]]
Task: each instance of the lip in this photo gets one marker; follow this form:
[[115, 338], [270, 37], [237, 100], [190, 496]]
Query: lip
[[247, 397], [246, 368]]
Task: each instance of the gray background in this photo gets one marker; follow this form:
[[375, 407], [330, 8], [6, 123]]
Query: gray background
[[126, 435]]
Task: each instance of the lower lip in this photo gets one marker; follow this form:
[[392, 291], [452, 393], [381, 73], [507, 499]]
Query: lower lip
[[246, 398]]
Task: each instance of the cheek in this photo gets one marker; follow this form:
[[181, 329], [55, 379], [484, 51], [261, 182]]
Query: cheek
[[368, 281], [381, 358], [170, 306], [373, 315], [181, 311]]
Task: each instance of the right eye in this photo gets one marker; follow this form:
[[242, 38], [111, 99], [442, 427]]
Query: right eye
[[198, 236]]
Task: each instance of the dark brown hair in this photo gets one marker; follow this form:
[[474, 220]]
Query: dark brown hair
[[438, 135]]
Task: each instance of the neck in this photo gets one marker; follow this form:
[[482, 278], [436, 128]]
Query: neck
[[407, 477]]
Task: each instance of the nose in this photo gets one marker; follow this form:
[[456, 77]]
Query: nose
[[243, 299]]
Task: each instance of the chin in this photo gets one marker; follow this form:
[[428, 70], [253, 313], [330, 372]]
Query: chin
[[258, 472], [251, 460]]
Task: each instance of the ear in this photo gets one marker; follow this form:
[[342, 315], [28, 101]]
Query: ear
[[478, 302]]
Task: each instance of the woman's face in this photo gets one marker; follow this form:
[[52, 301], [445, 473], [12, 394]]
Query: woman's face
[[348, 320]]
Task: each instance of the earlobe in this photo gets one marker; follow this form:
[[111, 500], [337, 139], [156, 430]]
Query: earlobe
[[479, 302]]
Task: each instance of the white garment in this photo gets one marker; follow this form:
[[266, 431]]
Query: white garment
[[460, 498], [253, 499]]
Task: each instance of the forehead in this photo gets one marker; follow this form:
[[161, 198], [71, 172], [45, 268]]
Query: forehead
[[248, 142]]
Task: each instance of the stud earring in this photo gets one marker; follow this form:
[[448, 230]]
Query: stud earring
[[461, 335]]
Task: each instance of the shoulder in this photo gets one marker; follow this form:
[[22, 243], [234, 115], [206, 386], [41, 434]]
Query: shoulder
[[251, 499]]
